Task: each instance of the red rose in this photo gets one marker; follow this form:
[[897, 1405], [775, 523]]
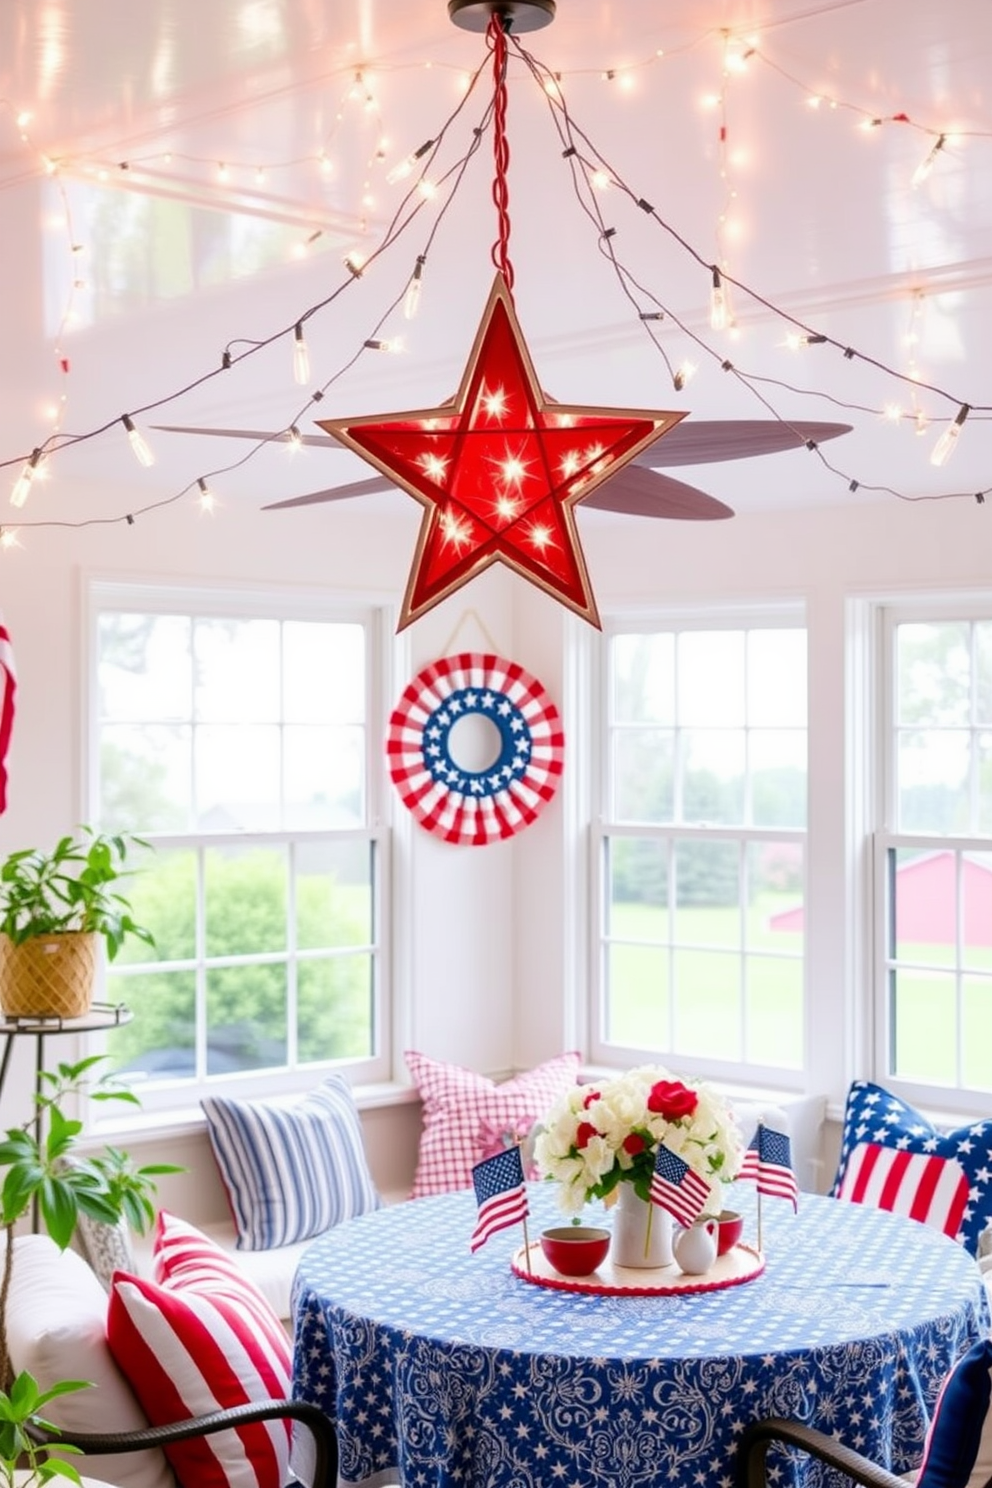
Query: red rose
[[585, 1134], [672, 1099], [593, 1095], [634, 1144]]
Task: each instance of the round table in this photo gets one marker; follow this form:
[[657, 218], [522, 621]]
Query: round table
[[441, 1367]]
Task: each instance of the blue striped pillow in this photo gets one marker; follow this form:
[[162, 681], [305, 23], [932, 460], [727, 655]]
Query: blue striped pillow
[[291, 1171]]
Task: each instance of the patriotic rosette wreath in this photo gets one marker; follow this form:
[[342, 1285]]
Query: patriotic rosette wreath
[[463, 805]]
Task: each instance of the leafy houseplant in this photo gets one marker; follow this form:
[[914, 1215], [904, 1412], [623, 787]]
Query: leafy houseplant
[[106, 1186], [20, 1451], [53, 908]]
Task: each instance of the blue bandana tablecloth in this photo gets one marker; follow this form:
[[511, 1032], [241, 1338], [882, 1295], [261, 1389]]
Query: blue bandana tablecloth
[[441, 1367]]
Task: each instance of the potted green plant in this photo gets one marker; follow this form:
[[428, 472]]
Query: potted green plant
[[42, 1171], [54, 908], [24, 1460]]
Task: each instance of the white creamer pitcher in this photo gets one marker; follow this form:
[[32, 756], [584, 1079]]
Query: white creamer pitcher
[[695, 1247]]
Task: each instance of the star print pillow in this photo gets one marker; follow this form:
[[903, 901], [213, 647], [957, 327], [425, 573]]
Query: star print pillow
[[893, 1157]]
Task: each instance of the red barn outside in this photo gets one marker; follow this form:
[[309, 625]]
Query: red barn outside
[[926, 900]]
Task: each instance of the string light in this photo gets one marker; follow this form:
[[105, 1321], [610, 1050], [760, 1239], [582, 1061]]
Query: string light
[[207, 499], [719, 314], [392, 344], [684, 373], [142, 451], [411, 300], [404, 167], [301, 356], [355, 264], [927, 163], [945, 446], [295, 438], [796, 341], [22, 486]]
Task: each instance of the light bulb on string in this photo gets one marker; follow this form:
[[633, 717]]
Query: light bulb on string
[[411, 300], [393, 344], [927, 163], [8, 538], [207, 499], [684, 373], [142, 450], [719, 316], [295, 438], [945, 446], [404, 167], [23, 483], [301, 356]]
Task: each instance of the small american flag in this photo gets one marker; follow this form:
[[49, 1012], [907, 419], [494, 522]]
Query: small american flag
[[768, 1162], [675, 1187], [8, 686], [501, 1194]]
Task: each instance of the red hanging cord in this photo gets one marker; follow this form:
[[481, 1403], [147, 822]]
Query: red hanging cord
[[500, 251]]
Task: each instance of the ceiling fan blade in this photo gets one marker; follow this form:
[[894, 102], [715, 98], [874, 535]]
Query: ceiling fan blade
[[705, 441], [335, 493], [323, 441], [644, 493]]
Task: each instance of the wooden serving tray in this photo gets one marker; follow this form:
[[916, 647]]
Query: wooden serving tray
[[742, 1263]]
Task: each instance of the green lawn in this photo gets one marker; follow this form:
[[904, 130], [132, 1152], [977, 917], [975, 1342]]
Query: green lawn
[[690, 982]]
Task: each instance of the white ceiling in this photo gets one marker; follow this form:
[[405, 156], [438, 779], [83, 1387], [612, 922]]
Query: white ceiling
[[137, 105]]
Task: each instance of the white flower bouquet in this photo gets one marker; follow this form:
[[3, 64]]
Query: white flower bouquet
[[597, 1136]]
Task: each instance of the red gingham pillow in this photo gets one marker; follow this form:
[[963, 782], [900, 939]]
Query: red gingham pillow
[[200, 1339], [462, 1109]]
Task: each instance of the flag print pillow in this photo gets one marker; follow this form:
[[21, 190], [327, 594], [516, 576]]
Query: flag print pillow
[[894, 1158]]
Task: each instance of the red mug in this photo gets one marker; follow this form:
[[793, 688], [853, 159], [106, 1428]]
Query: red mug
[[729, 1228]]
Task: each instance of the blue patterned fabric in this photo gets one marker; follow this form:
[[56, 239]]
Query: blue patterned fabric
[[445, 1370], [291, 1171]]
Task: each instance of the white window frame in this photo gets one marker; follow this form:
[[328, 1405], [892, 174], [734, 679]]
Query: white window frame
[[284, 603], [888, 614], [773, 615]]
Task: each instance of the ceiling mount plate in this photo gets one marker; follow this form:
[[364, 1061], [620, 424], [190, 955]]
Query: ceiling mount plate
[[522, 15]]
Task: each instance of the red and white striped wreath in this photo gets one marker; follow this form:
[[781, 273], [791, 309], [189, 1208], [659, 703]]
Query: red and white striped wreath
[[474, 807]]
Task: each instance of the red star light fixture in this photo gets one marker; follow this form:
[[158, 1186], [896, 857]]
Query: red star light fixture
[[499, 470]]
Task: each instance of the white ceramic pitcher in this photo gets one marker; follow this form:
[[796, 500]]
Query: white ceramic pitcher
[[695, 1247]]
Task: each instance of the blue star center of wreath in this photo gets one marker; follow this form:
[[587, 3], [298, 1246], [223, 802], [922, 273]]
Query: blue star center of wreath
[[514, 741]]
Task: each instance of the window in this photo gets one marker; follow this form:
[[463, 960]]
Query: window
[[234, 734], [933, 855], [701, 844]]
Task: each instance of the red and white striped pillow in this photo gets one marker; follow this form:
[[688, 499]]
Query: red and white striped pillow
[[199, 1338]]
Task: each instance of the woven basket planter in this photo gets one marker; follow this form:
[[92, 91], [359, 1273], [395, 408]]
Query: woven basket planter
[[48, 976]]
